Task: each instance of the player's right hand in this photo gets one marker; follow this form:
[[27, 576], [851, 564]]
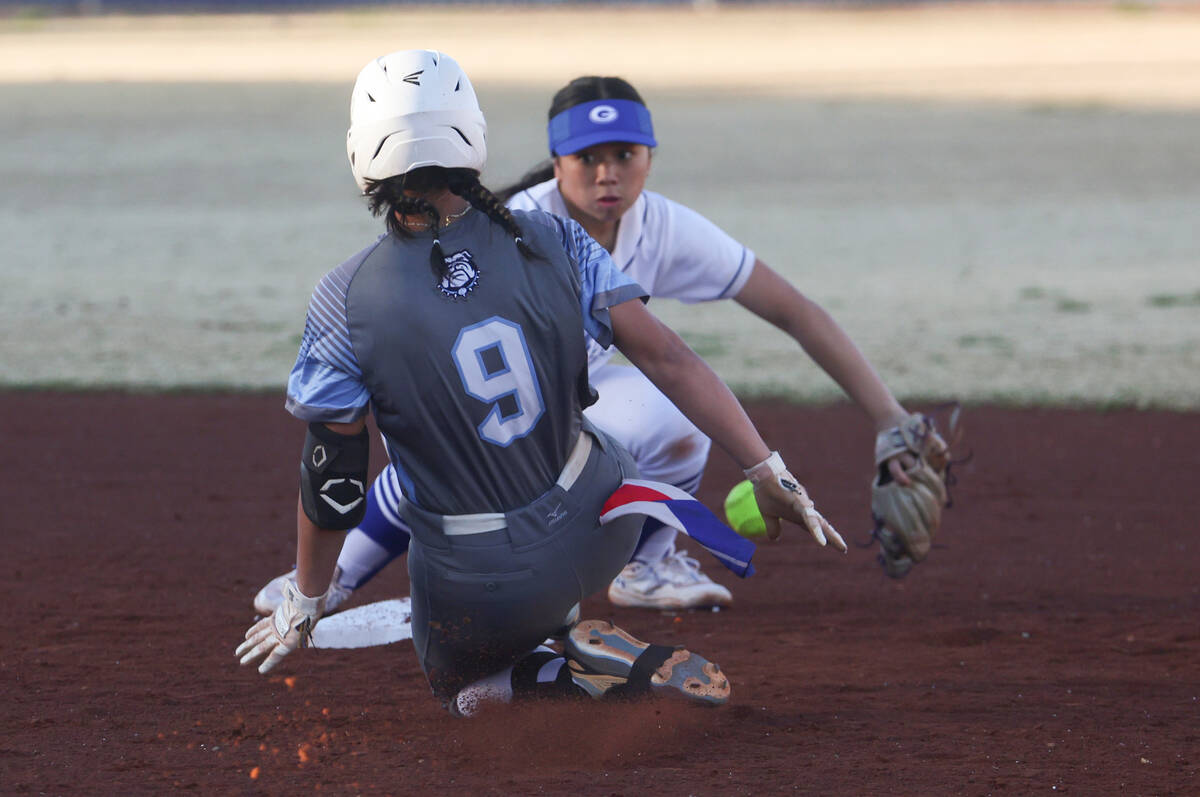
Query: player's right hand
[[780, 495], [288, 628]]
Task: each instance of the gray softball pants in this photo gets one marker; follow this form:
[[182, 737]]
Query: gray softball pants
[[482, 601]]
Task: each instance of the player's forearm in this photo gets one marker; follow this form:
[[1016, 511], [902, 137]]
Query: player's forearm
[[772, 298], [832, 349], [317, 552], [689, 382], [708, 402]]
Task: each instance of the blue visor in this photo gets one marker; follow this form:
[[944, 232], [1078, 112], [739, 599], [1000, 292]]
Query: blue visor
[[599, 122]]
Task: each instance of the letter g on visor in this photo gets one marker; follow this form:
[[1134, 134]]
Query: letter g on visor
[[600, 122]]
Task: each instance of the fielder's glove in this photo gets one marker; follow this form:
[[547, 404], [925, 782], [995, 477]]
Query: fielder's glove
[[779, 494], [907, 516], [288, 628]]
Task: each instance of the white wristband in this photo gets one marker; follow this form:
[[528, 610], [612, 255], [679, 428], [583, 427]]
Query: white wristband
[[305, 604], [771, 466]]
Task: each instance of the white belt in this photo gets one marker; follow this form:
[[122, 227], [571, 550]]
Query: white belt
[[455, 525]]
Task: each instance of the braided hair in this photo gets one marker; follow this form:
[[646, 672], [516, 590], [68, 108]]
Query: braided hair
[[387, 198], [588, 88]]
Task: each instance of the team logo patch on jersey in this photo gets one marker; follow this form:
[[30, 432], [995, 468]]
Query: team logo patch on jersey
[[461, 275]]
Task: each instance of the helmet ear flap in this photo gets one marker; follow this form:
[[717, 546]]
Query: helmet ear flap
[[411, 109]]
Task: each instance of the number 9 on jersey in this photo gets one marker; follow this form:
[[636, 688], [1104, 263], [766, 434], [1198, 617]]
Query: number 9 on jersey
[[494, 365]]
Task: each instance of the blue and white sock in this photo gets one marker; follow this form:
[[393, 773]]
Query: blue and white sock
[[381, 537]]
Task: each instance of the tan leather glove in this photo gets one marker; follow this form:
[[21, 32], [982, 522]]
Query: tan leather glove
[[780, 495], [907, 501], [288, 628]]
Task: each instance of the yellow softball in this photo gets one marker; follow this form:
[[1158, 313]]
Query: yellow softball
[[741, 511]]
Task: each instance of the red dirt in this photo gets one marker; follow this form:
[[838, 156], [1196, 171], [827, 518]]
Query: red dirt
[[1050, 644]]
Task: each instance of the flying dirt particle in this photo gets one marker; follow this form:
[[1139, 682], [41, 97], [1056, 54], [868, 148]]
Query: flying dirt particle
[[290, 681], [254, 773]]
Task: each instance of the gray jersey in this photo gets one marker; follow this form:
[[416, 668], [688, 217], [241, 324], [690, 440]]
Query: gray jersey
[[477, 381]]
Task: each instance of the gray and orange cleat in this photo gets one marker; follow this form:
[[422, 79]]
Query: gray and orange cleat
[[607, 662]]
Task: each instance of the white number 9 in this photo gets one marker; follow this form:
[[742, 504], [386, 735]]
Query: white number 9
[[493, 363]]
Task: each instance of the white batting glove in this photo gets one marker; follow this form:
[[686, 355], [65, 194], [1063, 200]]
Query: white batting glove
[[779, 494], [288, 628]]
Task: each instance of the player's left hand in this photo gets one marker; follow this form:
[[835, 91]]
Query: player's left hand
[[909, 490], [288, 628], [780, 495]]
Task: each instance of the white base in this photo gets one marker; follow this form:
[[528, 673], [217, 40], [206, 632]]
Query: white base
[[379, 623]]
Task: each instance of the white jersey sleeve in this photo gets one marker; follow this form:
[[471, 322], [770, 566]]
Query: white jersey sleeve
[[680, 254], [669, 249]]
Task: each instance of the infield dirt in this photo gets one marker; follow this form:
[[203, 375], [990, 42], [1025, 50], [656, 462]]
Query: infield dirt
[[1048, 645]]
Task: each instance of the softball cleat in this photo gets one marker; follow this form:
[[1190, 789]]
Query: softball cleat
[[605, 661], [674, 583]]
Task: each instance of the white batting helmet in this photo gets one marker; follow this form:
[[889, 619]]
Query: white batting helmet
[[410, 109]]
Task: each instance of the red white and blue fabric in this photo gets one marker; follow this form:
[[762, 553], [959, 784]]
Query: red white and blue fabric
[[681, 511]]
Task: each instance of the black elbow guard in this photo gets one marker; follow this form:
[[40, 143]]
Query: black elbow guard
[[333, 477]]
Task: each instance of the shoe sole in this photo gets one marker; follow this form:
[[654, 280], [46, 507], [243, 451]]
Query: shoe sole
[[607, 655]]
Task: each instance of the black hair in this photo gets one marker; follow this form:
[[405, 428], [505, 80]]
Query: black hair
[[387, 198], [588, 88]]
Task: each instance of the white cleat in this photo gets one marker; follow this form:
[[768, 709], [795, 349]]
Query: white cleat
[[674, 582], [270, 596]]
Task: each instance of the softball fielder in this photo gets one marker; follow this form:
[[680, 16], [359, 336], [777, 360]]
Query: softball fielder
[[601, 139], [462, 330]]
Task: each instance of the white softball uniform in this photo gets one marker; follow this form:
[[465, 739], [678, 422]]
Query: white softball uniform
[[673, 253]]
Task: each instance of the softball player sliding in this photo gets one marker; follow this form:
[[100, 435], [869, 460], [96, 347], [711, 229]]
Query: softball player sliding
[[462, 329], [601, 140]]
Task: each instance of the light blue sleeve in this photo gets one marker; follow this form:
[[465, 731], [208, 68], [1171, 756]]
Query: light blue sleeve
[[326, 382], [603, 285]]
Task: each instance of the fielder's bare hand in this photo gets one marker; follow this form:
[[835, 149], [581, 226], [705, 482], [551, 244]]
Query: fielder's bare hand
[[779, 494], [288, 628]]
